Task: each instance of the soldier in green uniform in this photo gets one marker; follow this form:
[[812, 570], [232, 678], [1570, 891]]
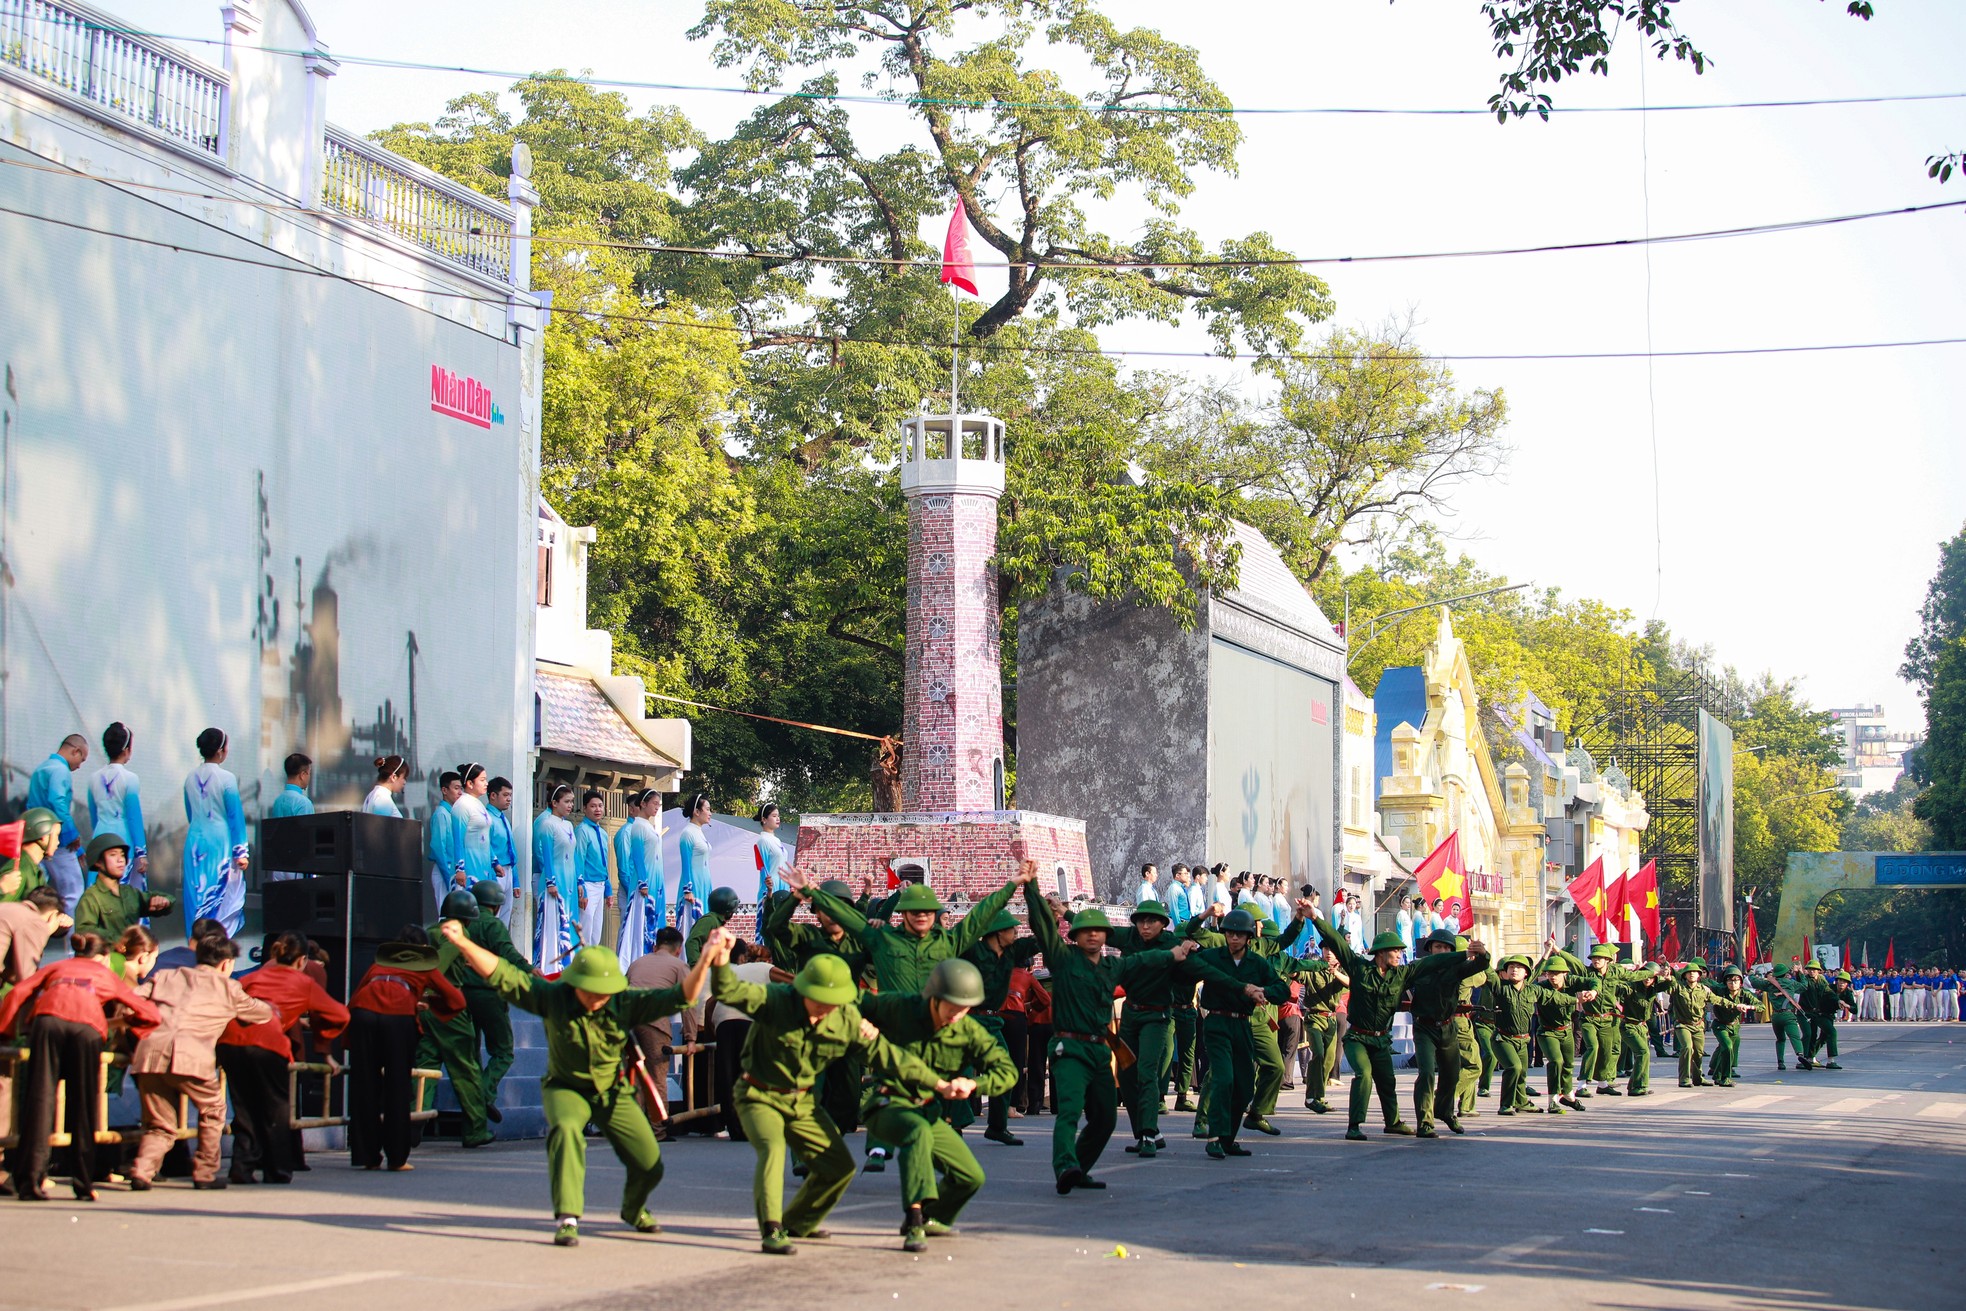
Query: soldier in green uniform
[[1272, 947], [792, 946], [1517, 1002], [1727, 1026], [1324, 982], [996, 958], [590, 1015], [797, 1030], [1439, 1028], [1784, 1018], [1602, 1023], [1377, 986], [453, 1042], [1690, 999], [723, 904], [937, 1027], [1641, 985], [1820, 1004], [1559, 1041], [107, 906], [1237, 980], [1083, 980], [491, 1018], [1147, 1024], [1477, 1035], [40, 832], [903, 956]]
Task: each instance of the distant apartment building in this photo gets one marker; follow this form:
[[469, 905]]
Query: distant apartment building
[[1873, 753]]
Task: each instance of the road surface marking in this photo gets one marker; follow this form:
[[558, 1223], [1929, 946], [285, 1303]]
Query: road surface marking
[[1850, 1105], [1457, 1288], [1694, 1192], [1516, 1251], [1943, 1111], [1604, 1231], [1756, 1103], [261, 1293], [1656, 1210]]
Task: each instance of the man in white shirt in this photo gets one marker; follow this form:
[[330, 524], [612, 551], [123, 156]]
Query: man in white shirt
[[1149, 884]]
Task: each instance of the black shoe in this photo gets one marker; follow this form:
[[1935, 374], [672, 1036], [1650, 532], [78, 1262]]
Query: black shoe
[[1004, 1136], [278, 1177], [1234, 1148], [495, 1115], [1087, 1181], [241, 1177], [84, 1194], [875, 1164], [208, 1185], [1069, 1180], [139, 1185], [1454, 1125], [799, 1169]]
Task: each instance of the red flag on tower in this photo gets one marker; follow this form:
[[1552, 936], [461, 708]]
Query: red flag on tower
[[1642, 895], [1441, 876], [1592, 901], [958, 268]]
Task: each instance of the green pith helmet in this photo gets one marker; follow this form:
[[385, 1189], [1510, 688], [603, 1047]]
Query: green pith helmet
[[1556, 965], [36, 823], [1648, 967], [724, 902], [1239, 921], [837, 888], [406, 956], [1460, 942], [1782, 970], [955, 981], [101, 845], [1604, 951], [1151, 910], [488, 893], [1731, 972], [459, 905], [1090, 918], [595, 969], [1442, 937], [1843, 976], [1388, 942], [1266, 928], [1808, 965], [1004, 920], [826, 979], [1696, 963], [1514, 960], [917, 896]]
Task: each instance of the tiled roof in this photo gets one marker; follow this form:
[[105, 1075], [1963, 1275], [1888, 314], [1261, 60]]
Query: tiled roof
[[1265, 585], [575, 719]]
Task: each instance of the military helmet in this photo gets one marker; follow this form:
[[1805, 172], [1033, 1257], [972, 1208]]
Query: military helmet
[[1004, 920], [956, 982], [101, 845], [1807, 965], [459, 904], [1695, 963], [1514, 960], [1782, 970], [1152, 910], [37, 822], [724, 902], [1239, 921], [1731, 972], [1442, 937], [1090, 918], [837, 888], [1556, 965], [826, 979], [1388, 942], [917, 896], [488, 893], [595, 969], [1604, 951], [1843, 976]]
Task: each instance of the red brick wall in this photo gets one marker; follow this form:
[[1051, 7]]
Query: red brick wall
[[952, 711], [972, 854]]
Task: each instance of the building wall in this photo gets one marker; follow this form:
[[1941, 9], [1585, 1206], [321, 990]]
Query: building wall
[[1269, 766], [968, 855], [1112, 705], [228, 501]]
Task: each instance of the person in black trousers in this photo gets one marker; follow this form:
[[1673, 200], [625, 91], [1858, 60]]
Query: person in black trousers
[[733, 1026], [382, 1038]]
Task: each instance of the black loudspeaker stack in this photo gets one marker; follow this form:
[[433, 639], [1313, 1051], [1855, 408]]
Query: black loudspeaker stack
[[364, 883]]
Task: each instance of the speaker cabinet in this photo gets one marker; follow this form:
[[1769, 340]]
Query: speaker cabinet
[[343, 842]]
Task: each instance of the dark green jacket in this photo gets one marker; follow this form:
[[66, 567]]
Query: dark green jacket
[[488, 932], [699, 933], [785, 1049], [1222, 989], [1437, 994], [584, 1049], [901, 960], [1081, 989], [964, 1047], [1376, 996], [109, 913], [997, 967], [1516, 1007], [793, 944]]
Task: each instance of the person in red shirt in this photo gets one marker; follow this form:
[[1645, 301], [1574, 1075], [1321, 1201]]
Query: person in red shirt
[[64, 1009], [382, 1037], [255, 1059], [1037, 1011]]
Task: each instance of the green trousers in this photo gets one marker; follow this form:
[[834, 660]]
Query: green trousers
[[1230, 1041], [1788, 1033], [1692, 1051], [492, 1019], [1638, 1056], [1186, 1023], [1269, 1061], [1437, 1053], [1559, 1061], [1584, 1037], [1471, 1063], [1371, 1060], [930, 1146], [1603, 1039], [999, 1109], [454, 1042], [569, 1110], [1151, 1036], [839, 1093], [1083, 1072], [1485, 1041], [1822, 1036], [774, 1122], [1317, 1070], [1726, 1052], [1512, 1055]]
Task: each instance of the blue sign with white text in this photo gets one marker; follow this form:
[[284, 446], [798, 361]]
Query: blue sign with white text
[[1929, 869]]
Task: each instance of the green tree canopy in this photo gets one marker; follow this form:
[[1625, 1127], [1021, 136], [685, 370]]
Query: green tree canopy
[[1942, 619]]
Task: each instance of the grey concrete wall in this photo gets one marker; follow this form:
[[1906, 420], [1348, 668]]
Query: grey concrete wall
[[1112, 705]]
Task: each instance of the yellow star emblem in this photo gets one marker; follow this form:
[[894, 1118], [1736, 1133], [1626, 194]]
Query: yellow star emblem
[[1597, 901], [1449, 883], [1652, 899]]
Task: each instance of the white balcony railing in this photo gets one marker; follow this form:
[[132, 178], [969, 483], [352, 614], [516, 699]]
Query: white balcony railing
[[362, 179], [83, 52]]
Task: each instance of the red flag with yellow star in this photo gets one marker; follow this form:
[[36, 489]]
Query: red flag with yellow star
[[1441, 875], [1642, 895], [1592, 900]]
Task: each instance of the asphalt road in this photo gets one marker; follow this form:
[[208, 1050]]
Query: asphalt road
[[1828, 1189]]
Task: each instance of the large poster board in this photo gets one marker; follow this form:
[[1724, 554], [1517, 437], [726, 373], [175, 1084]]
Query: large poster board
[[1269, 766], [1716, 824]]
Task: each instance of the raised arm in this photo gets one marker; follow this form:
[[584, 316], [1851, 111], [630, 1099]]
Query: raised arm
[[1338, 943], [840, 912], [1044, 923], [973, 927], [511, 982]]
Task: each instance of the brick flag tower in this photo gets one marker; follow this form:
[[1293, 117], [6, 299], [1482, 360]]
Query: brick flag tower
[[954, 832]]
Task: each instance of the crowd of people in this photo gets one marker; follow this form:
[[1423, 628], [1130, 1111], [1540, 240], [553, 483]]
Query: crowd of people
[[1910, 993], [849, 1012]]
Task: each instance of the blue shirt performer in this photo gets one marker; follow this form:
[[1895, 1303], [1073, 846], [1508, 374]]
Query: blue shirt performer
[[215, 851], [556, 890], [116, 806]]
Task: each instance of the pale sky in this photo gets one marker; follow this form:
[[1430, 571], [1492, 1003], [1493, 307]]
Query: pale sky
[[1802, 497]]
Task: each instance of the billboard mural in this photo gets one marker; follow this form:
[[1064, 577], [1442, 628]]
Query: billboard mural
[[1716, 824], [232, 499], [1269, 766]]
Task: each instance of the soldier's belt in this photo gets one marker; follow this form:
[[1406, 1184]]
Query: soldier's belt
[[762, 1086], [1147, 1010], [1504, 1033], [1366, 1033], [1099, 1038], [1464, 1010]]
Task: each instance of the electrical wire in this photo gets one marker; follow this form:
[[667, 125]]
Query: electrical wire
[[802, 337]]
